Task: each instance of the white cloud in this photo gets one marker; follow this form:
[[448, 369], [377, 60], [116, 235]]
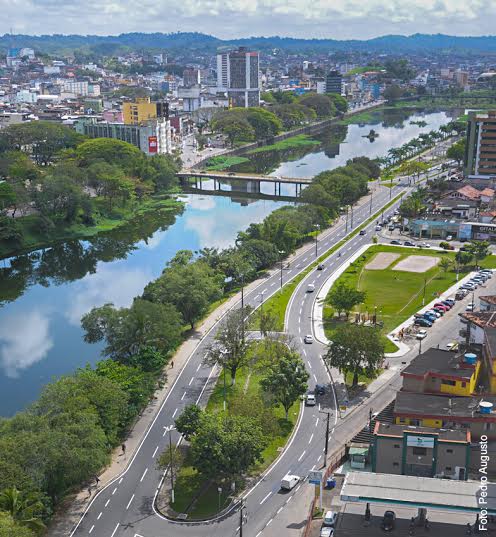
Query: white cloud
[[233, 18], [113, 285], [24, 340]]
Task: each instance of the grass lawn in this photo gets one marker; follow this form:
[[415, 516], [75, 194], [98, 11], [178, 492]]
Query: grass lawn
[[190, 485], [293, 142], [396, 295]]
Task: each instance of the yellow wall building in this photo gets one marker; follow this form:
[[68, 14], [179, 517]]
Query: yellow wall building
[[138, 112]]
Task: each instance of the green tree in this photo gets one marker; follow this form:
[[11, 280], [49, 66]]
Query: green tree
[[445, 264], [190, 420], [286, 380], [112, 151], [338, 101], [129, 331], [190, 287], [463, 258], [10, 230], [322, 105], [357, 349], [10, 528], [226, 447], [343, 298], [479, 250], [8, 196], [265, 123], [26, 508], [413, 168], [457, 151], [230, 349], [393, 92]]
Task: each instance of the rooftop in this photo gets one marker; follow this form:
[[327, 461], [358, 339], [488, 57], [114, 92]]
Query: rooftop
[[481, 319], [489, 299], [444, 435], [440, 406], [438, 362]]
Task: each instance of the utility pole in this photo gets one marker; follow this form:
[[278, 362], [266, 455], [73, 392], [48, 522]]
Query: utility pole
[[170, 464], [317, 227], [241, 517], [281, 253], [346, 229], [326, 448], [351, 226], [371, 195]]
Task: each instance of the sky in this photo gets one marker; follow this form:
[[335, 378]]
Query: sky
[[338, 19]]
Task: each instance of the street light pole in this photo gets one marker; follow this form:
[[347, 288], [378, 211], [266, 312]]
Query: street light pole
[[423, 297], [170, 463], [241, 518], [371, 195], [351, 225], [317, 227], [346, 229], [281, 253], [326, 436]]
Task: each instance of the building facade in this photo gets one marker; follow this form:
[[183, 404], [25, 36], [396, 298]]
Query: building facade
[[140, 111], [480, 153], [334, 82]]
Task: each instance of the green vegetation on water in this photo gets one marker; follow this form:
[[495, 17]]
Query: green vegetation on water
[[223, 162], [289, 143]]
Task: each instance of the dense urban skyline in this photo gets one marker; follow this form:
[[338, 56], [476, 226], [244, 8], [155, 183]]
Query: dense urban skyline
[[236, 18]]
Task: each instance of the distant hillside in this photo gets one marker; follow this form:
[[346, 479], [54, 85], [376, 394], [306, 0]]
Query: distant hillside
[[110, 45]]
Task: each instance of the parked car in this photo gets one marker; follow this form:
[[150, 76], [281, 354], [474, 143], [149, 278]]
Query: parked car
[[425, 245], [409, 243], [439, 310], [378, 228], [452, 346], [449, 237], [330, 519], [434, 312], [309, 338], [320, 389], [460, 294], [321, 266], [388, 521], [326, 531], [363, 232], [394, 241], [422, 321], [470, 307], [310, 399], [450, 301], [442, 307], [421, 334]]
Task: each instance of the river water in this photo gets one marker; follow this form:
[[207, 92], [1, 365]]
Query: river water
[[43, 294]]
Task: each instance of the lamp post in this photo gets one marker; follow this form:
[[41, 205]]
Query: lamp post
[[346, 228], [371, 195], [326, 447], [423, 296], [351, 224], [281, 253], [219, 490], [169, 430], [317, 227], [241, 517]]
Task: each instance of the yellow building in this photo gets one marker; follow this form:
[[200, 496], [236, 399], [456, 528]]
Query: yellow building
[[139, 112]]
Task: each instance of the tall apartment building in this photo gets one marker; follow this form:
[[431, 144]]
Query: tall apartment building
[[140, 111], [334, 82], [238, 73], [191, 77], [480, 153]]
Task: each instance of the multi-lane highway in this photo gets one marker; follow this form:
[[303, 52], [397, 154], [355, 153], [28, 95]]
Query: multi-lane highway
[[125, 507]]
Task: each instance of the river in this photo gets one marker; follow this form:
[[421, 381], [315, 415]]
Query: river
[[45, 293]]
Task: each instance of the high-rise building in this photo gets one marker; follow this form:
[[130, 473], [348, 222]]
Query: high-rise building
[[334, 82], [480, 153], [223, 71], [140, 111], [244, 83], [191, 77]]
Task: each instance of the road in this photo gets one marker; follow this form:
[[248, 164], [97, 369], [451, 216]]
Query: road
[[125, 507]]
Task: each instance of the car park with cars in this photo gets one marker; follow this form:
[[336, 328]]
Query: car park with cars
[[422, 321]]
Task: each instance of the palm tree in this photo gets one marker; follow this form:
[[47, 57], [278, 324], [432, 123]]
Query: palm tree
[[25, 508]]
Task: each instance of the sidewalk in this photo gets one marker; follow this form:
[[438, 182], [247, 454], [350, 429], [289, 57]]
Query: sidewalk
[[69, 512]]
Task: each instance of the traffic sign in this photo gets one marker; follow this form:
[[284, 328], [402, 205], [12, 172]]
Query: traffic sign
[[315, 477]]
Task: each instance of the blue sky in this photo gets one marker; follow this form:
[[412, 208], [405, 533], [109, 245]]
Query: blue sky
[[341, 19]]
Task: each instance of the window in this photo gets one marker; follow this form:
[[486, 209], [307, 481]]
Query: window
[[396, 446], [448, 382], [487, 426], [401, 420], [419, 451], [416, 423], [464, 384], [449, 451], [448, 468], [396, 463]]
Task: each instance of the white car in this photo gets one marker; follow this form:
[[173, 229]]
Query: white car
[[378, 228], [326, 531], [470, 307], [308, 338], [330, 519], [310, 288], [421, 334], [310, 400], [449, 237], [425, 245]]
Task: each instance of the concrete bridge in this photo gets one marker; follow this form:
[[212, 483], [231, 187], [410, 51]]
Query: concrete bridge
[[254, 180]]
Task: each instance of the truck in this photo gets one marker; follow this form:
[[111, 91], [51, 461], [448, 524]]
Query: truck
[[289, 481]]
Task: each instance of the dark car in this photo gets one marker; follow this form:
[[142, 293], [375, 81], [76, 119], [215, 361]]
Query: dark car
[[320, 266], [396, 242], [422, 321], [362, 232], [320, 389], [388, 521], [409, 243]]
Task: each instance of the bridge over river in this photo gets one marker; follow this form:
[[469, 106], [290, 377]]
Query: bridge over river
[[252, 179]]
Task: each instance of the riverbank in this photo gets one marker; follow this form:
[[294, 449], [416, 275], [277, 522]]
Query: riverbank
[[36, 236]]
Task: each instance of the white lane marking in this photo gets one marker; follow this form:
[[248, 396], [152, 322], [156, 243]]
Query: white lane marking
[[92, 528], [301, 309], [155, 452], [184, 395], [299, 319], [143, 476], [289, 499], [269, 522], [107, 502], [297, 488], [99, 516], [258, 534], [205, 385], [273, 283], [316, 422], [315, 377], [129, 503], [313, 468], [279, 510], [113, 533], [175, 412], [113, 492], [309, 364], [304, 352], [302, 455], [265, 498], [264, 291], [121, 480], [198, 368], [310, 439], [319, 407], [332, 432], [192, 379]]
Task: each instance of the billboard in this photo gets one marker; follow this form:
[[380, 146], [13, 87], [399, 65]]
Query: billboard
[[152, 144], [420, 441]]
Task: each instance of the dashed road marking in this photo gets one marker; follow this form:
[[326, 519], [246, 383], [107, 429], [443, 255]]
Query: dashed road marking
[[155, 452], [143, 476], [310, 439], [184, 395], [302, 455], [175, 412], [191, 381], [113, 492], [265, 497], [107, 502], [315, 377], [99, 516], [92, 528], [129, 503], [115, 529]]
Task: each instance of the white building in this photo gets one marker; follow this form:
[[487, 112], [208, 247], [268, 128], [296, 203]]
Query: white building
[[223, 72]]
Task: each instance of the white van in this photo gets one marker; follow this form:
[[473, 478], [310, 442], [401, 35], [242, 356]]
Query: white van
[[289, 481], [310, 288]]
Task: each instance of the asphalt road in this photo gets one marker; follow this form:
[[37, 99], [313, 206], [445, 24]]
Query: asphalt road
[[125, 507]]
